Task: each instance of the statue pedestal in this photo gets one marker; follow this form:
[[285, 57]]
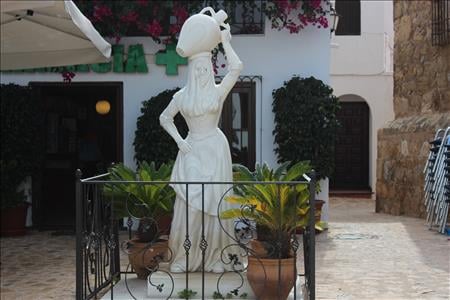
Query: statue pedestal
[[228, 282]]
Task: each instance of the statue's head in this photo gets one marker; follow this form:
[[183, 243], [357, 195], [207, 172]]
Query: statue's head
[[200, 94]]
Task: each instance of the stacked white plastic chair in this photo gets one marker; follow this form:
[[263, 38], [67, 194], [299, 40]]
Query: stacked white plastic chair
[[437, 181]]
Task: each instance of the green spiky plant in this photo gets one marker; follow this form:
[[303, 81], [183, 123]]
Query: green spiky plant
[[187, 294], [147, 202], [277, 210]]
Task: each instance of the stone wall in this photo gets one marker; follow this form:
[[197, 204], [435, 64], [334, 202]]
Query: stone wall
[[420, 69], [421, 106]]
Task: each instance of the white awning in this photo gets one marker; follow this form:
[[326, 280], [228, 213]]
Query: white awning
[[48, 33]]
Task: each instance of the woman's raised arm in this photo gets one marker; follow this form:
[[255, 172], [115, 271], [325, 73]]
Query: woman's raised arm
[[235, 65]]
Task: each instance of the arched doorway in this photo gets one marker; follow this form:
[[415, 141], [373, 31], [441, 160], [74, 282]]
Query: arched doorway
[[352, 146]]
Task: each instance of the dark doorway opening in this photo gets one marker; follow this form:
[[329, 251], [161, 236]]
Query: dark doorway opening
[[77, 136], [352, 148]]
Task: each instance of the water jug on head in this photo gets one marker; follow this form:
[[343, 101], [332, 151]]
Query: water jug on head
[[201, 33]]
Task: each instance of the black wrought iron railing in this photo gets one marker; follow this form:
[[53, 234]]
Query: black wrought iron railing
[[101, 238]]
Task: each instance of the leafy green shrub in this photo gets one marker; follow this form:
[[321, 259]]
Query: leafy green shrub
[[148, 202], [22, 140], [305, 123], [152, 142], [277, 210]]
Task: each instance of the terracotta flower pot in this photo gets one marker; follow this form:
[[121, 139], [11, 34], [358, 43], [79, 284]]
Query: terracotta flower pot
[[271, 278], [149, 228], [259, 249], [164, 224], [13, 221], [142, 256]]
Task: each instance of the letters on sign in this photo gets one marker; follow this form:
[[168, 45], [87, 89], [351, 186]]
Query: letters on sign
[[134, 63]]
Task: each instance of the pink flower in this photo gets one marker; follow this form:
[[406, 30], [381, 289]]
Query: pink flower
[[67, 76], [323, 21], [181, 14], [174, 28], [315, 3], [101, 11], [286, 6], [282, 4], [294, 5], [154, 29], [303, 19], [293, 28], [130, 17], [142, 2]]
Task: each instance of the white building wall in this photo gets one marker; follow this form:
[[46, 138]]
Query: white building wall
[[363, 66], [275, 55]]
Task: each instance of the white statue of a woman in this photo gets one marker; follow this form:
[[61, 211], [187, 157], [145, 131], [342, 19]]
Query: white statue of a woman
[[203, 156]]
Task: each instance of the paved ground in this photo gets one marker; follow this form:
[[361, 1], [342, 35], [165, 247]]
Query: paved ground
[[38, 266], [363, 256], [375, 256]]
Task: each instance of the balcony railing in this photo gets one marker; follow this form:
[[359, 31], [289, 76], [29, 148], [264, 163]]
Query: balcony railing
[[101, 236]]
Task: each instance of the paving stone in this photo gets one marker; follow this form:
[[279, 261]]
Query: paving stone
[[363, 256], [389, 266]]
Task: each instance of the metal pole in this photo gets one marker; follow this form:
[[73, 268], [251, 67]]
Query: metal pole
[[79, 238], [312, 235]]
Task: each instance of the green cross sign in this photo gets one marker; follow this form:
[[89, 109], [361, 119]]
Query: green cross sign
[[171, 59]]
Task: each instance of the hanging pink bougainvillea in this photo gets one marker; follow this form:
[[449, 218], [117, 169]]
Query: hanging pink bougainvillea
[[162, 20]]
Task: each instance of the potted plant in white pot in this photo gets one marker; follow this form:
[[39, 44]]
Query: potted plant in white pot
[[150, 204], [277, 211]]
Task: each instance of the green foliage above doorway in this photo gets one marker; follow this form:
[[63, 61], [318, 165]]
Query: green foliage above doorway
[[22, 140], [152, 142], [305, 117]]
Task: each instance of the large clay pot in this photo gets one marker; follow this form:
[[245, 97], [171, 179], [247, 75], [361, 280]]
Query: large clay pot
[[259, 249], [142, 255], [200, 33], [13, 221], [164, 224], [149, 228], [318, 204], [266, 241], [271, 279]]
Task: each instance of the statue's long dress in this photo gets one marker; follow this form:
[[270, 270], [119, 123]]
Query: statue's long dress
[[209, 160]]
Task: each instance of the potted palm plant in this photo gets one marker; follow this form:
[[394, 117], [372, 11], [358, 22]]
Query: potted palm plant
[[151, 204], [277, 211]]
